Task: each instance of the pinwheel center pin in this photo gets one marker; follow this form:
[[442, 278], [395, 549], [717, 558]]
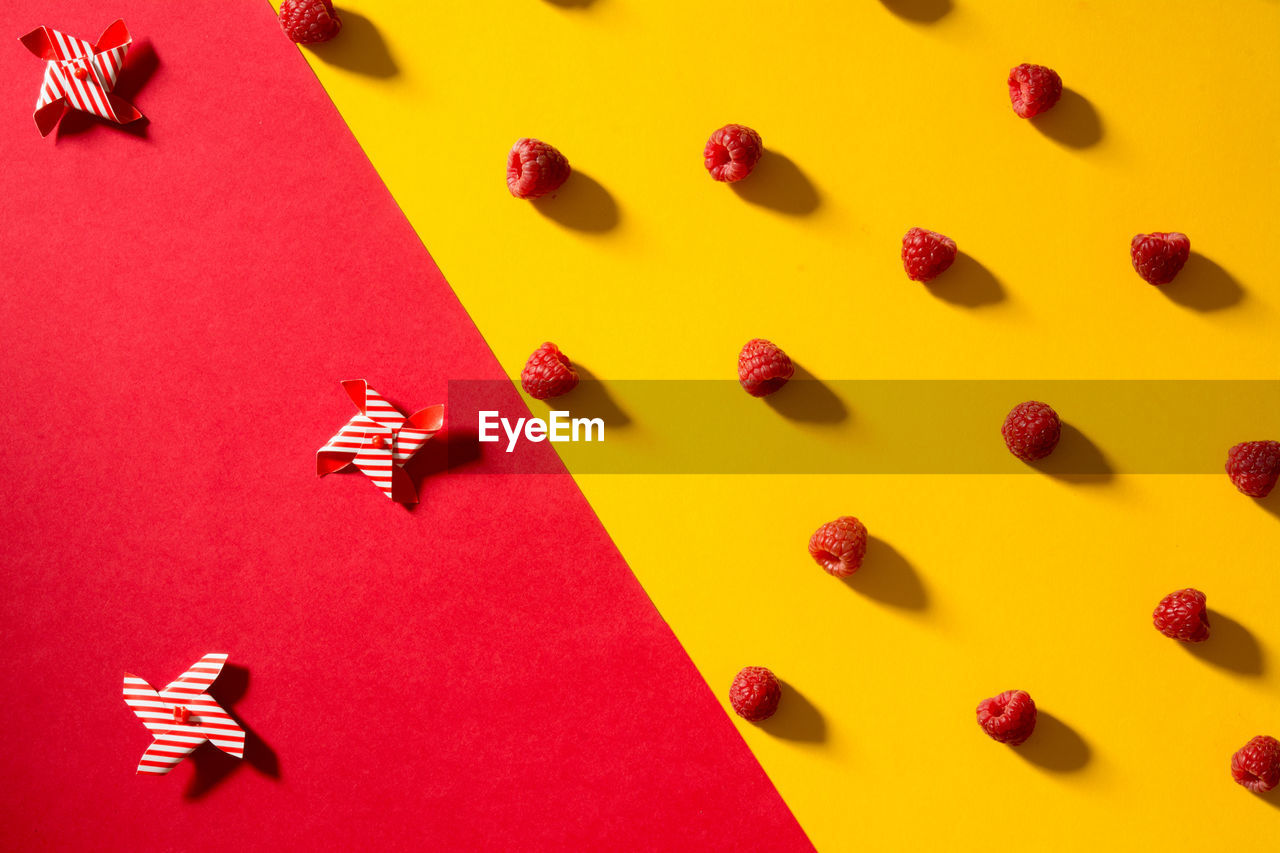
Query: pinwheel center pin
[[379, 442], [181, 715], [81, 72]]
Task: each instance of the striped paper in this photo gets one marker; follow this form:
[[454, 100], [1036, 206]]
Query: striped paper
[[379, 440], [80, 75], [182, 716]]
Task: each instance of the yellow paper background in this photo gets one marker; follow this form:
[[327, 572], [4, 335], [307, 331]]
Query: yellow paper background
[[880, 115]]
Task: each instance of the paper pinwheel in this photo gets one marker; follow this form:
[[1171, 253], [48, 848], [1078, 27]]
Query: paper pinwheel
[[182, 716], [379, 440], [80, 75]]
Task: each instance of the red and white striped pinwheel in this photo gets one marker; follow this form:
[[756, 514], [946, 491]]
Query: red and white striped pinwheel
[[379, 440], [80, 75], [182, 716]]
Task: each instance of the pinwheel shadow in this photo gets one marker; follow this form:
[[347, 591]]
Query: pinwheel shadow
[[140, 64], [449, 449], [452, 448], [212, 765]]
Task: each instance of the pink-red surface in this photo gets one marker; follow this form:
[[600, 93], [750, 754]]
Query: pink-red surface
[[179, 301]]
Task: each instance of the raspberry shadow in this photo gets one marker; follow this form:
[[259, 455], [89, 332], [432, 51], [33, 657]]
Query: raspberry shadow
[[581, 203], [888, 577], [805, 397], [1055, 746], [1072, 121], [1271, 798], [1076, 459], [1271, 503], [357, 47], [967, 283], [779, 184], [796, 718], [1230, 646], [1203, 285], [591, 399], [920, 11]]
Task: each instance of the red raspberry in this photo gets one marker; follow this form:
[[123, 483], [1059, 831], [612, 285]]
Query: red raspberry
[[1159, 256], [926, 254], [754, 693], [732, 152], [1182, 616], [763, 368], [1033, 89], [1257, 764], [1009, 718], [309, 21], [548, 373], [1254, 466], [839, 546], [1031, 430], [535, 168]]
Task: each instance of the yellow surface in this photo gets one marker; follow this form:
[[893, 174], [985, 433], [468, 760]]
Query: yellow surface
[[875, 121]]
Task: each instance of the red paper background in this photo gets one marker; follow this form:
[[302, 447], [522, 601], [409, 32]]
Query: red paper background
[[179, 303]]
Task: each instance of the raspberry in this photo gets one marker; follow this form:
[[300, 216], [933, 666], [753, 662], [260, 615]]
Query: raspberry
[[1159, 256], [763, 368], [732, 152], [1182, 616], [1257, 764], [1009, 718], [1033, 89], [839, 546], [1254, 467], [535, 168], [548, 373], [926, 254], [1031, 430], [309, 21], [754, 693]]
